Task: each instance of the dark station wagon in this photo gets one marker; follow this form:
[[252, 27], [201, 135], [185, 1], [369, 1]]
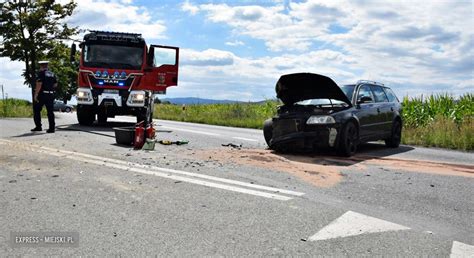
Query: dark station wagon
[[317, 113]]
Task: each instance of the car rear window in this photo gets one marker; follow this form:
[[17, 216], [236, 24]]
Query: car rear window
[[391, 96], [379, 94]]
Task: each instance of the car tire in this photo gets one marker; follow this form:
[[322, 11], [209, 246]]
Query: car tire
[[268, 131], [67, 110], [349, 140], [395, 135]]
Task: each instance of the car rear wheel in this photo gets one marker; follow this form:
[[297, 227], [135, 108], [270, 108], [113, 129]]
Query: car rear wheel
[[396, 135], [268, 131], [348, 140]]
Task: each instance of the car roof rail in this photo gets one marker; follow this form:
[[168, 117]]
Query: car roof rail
[[370, 82]]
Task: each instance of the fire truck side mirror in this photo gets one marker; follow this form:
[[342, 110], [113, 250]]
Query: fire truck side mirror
[[73, 53]]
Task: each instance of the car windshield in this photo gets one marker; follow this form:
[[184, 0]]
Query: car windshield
[[348, 90], [110, 56]]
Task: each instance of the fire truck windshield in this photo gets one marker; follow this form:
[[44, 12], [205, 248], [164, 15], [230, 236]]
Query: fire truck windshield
[[113, 56]]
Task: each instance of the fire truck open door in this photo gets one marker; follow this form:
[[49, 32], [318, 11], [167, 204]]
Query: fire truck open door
[[162, 70]]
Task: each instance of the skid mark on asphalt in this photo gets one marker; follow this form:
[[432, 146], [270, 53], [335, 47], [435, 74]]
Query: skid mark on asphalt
[[324, 171], [177, 175], [352, 224], [462, 250], [422, 166]]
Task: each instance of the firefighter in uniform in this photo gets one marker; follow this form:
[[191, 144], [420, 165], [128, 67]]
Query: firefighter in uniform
[[46, 84]]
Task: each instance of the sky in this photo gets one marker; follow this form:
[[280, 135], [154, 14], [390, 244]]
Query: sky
[[237, 50]]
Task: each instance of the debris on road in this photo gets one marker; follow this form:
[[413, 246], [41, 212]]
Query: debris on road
[[235, 146], [168, 142], [149, 145]]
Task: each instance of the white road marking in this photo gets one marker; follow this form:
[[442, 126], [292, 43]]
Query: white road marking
[[190, 131], [461, 250], [161, 172], [245, 139], [352, 224], [180, 172]]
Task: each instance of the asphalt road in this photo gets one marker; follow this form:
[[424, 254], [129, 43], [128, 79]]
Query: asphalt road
[[206, 199]]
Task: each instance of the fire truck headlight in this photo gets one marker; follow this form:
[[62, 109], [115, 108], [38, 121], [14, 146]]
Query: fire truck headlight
[[136, 98], [140, 96], [84, 96]]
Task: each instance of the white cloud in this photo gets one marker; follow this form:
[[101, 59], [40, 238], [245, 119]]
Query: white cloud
[[414, 46], [403, 43], [190, 8], [235, 43], [10, 78], [119, 16], [209, 57]]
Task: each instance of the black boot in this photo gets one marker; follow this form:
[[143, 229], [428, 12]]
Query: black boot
[[37, 129], [50, 130]]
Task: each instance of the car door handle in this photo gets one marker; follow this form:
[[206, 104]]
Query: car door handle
[[378, 110], [391, 108]]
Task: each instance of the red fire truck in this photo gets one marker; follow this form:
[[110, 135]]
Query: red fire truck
[[120, 75]]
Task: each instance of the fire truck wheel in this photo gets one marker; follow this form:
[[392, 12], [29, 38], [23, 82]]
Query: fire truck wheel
[[85, 116], [102, 117]]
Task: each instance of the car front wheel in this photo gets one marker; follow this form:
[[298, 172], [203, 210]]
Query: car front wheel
[[348, 140], [395, 136], [67, 110], [268, 131]]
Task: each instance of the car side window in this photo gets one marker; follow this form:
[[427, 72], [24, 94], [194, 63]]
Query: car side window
[[379, 94], [391, 96], [365, 91]]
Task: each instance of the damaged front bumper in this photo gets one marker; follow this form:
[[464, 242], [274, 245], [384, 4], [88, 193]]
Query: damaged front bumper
[[302, 137]]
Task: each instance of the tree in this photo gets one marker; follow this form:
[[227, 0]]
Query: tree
[[30, 29], [65, 70]]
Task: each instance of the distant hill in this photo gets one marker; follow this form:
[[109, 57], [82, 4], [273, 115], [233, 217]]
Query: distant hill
[[193, 101]]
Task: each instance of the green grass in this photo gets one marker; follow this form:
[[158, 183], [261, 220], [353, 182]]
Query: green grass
[[15, 108], [249, 115], [442, 132]]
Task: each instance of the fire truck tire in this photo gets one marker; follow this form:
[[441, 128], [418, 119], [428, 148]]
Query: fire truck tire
[[102, 117], [85, 115]]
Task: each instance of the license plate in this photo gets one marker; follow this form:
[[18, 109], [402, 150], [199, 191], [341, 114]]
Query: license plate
[[111, 91]]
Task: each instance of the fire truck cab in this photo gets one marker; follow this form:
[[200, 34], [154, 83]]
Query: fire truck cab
[[120, 75]]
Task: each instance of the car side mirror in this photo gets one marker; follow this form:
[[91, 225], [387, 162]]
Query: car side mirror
[[364, 99]]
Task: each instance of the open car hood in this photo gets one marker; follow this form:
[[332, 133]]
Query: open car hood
[[295, 87]]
